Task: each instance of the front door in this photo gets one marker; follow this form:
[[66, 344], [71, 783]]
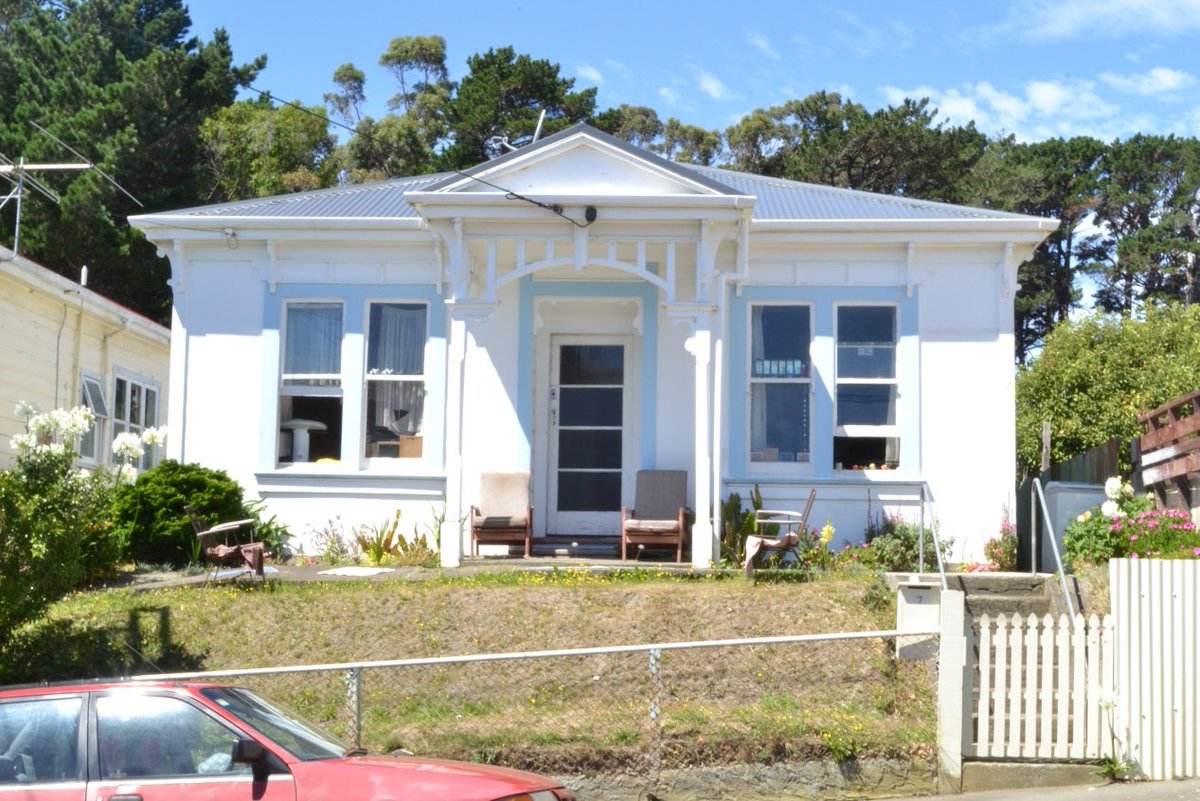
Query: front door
[[589, 443]]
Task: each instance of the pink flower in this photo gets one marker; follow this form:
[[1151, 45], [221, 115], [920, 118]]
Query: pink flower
[[1196, 552], [1133, 537], [1133, 556]]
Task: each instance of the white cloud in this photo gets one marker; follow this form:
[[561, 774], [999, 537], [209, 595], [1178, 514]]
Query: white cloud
[[762, 45], [865, 40], [669, 95], [712, 86], [619, 68], [1157, 81], [1070, 19], [589, 73]]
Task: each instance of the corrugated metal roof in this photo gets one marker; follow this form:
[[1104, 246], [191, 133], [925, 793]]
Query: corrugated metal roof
[[777, 199]]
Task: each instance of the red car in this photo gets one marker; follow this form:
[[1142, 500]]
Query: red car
[[184, 741]]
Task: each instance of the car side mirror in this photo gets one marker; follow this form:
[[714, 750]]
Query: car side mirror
[[252, 753]]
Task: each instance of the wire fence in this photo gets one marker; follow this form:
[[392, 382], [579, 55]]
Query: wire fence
[[638, 708]]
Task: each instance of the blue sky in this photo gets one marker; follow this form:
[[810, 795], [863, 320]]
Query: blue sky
[[1105, 68]]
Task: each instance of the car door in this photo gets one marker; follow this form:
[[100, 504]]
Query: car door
[[40, 749], [160, 747]]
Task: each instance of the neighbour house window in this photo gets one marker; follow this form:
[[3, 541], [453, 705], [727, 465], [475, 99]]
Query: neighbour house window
[[310, 403], [780, 383], [92, 396], [397, 333], [135, 408], [866, 434]]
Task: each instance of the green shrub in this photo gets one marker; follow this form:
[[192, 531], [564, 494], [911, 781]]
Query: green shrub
[[151, 513], [1091, 538], [737, 524], [894, 545]]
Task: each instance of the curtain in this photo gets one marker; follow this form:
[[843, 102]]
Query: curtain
[[758, 395], [397, 339], [314, 339]]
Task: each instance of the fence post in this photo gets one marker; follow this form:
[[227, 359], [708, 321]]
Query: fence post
[[354, 699], [954, 692]]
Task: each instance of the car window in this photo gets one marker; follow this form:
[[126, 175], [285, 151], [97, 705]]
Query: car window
[[304, 740], [39, 740], [149, 735]]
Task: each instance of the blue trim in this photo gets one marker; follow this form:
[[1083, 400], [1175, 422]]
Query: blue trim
[[531, 290], [823, 301]]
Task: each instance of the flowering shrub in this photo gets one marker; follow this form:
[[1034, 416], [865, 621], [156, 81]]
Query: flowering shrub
[[54, 519], [1091, 538], [1001, 551], [1156, 534], [894, 545]]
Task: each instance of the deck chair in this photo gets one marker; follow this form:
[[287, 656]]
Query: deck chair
[[657, 517], [787, 540], [503, 515], [221, 545]]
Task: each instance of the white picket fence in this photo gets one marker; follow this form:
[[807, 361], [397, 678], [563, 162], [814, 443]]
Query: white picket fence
[[1040, 688]]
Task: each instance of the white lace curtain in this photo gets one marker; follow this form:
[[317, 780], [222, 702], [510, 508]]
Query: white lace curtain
[[314, 339]]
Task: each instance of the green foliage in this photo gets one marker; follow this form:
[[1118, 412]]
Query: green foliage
[[54, 532], [378, 543], [737, 524], [1095, 376], [151, 513], [894, 545], [1091, 537], [1001, 550], [1157, 534], [268, 530]]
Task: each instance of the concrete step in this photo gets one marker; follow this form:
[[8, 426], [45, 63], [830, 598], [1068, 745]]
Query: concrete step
[[1002, 593], [1026, 775]]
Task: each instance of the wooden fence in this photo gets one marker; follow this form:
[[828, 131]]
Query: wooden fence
[[1169, 450], [1038, 688], [1154, 603]]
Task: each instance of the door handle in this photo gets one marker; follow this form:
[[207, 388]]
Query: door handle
[[122, 797]]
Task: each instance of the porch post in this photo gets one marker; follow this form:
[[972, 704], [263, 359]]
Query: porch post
[[453, 535], [699, 344]]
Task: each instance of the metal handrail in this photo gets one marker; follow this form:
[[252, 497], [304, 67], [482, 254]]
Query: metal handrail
[[1033, 554], [927, 497]]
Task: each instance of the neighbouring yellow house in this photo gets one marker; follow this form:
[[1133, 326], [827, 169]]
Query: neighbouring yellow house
[[65, 345]]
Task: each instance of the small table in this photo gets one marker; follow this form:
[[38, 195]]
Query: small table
[[788, 540], [300, 429]]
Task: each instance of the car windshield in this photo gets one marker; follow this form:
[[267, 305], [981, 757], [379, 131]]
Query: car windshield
[[303, 740]]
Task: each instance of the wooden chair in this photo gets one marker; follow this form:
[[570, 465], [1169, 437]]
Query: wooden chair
[[504, 515], [787, 543], [220, 544], [657, 519]]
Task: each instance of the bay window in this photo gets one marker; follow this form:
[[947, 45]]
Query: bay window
[[866, 435], [395, 377], [135, 408], [780, 383]]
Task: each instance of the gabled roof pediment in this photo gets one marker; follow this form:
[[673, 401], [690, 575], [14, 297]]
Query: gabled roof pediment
[[581, 161]]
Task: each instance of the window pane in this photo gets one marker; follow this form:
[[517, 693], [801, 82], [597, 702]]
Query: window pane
[[314, 339], [861, 453], [396, 343], [324, 441], [866, 404], [779, 422], [93, 397], [589, 492], [866, 361], [578, 406], [135, 404], [41, 738], [158, 736], [591, 364], [780, 339], [866, 325], [151, 415], [121, 409], [589, 448], [395, 416]]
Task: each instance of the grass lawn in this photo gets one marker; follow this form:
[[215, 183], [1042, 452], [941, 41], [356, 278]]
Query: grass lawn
[[707, 706]]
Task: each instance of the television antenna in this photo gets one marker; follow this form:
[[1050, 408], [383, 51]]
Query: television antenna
[[20, 176]]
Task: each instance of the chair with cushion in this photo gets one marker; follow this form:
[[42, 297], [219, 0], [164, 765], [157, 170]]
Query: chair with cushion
[[503, 515], [658, 516], [221, 545], [785, 540]]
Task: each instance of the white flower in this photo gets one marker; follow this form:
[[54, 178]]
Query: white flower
[[77, 422], [55, 448], [125, 474], [43, 425], [1109, 509], [23, 442], [25, 410], [154, 437], [127, 446], [1112, 488], [1127, 490]]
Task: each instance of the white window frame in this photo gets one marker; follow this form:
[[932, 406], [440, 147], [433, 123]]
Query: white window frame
[[136, 385], [893, 430], [91, 395], [795, 467], [368, 377], [335, 383]]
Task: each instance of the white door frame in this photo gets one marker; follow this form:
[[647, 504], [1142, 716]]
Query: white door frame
[[598, 320]]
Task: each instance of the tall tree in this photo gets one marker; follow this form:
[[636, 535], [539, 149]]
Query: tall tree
[[122, 82], [348, 103], [502, 99], [1139, 177]]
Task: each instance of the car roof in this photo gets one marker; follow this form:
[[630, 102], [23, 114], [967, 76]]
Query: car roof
[[97, 685]]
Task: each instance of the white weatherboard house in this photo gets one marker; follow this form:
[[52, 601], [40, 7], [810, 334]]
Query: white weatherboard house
[[582, 309]]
